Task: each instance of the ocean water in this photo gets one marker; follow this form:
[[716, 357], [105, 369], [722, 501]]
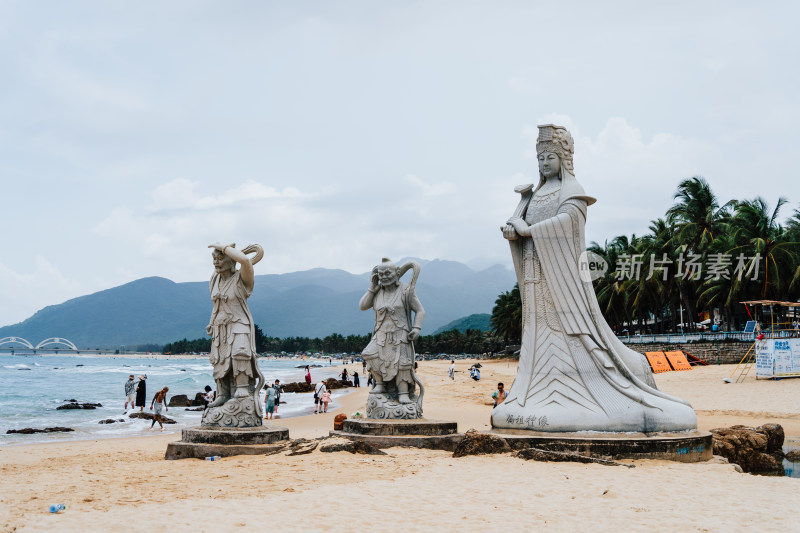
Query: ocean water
[[792, 468], [33, 386]]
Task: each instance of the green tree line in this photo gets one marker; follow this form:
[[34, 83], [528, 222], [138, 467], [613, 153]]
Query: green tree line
[[472, 341]]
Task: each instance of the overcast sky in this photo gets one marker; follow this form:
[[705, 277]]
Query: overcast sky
[[134, 134]]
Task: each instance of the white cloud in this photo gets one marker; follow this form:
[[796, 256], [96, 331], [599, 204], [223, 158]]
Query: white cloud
[[181, 193], [26, 292], [633, 178], [436, 189], [336, 228], [333, 135]]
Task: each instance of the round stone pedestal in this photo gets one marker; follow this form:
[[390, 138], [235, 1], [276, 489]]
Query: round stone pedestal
[[200, 442], [685, 447], [416, 433]]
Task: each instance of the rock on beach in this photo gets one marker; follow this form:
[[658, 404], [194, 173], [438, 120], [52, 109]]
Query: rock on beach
[[477, 443], [182, 400], [76, 405], [28, 431], [299, 386], [151, 416], [756, 450]]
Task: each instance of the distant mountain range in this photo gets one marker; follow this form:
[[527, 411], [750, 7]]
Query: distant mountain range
[[311, 303]]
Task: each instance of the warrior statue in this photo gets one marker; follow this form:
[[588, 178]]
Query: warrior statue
[[233, 348], [390, 352], [573, 374]]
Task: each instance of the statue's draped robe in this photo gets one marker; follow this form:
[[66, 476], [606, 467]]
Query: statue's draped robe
[[233, 336], [389, 354], [574, 374]]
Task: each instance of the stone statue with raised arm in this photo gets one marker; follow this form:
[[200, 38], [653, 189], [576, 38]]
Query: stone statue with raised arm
[[233, 348], [390, 352], [573, 374]]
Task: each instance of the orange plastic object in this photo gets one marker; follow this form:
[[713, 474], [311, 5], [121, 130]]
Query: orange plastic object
[[678, 361], [658, 362], [338, 421]]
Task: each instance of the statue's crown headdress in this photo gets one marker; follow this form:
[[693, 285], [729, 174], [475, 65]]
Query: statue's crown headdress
[[556, 139]]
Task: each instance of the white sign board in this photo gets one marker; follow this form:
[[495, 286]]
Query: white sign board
[[777, 358]]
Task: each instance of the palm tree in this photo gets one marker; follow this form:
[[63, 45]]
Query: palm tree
[[610, 290], [507, 315], [696, 215], [756, 230], [793, 235], [656, 294], [726, 293], [697, 218]]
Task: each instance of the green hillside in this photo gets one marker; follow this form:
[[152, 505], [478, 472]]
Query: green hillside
[[479, 321]]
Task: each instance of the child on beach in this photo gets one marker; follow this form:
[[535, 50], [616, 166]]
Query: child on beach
[[208, 397], [326, 397], [159, 401]]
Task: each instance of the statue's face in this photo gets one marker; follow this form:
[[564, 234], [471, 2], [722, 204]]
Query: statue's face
[[549, 164], [387, 275], [222, 263]]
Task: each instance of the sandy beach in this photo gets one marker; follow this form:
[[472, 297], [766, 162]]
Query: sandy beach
[[124, 484]]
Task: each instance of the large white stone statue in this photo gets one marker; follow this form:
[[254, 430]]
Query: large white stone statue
[[390, 352], [233, 344], [573, 374]]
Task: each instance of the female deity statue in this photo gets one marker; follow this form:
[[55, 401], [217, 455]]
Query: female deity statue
[[233, 348], [573, 374], [390, 352]]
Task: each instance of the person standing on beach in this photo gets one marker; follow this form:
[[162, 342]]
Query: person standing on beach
[[344, 375], [160, 402], [141, 392], [130, 390], [452, 370], [308, 375], [356, 381], [318, 391], [269, 403], [363, 366], [277, 395]]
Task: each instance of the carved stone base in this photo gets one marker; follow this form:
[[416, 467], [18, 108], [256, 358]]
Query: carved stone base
[[418, 433], [236, 412], [683, 446], [207, 441], [383, 406]]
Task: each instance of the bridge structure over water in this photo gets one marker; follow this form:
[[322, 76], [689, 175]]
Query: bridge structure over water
[[53, 344]]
